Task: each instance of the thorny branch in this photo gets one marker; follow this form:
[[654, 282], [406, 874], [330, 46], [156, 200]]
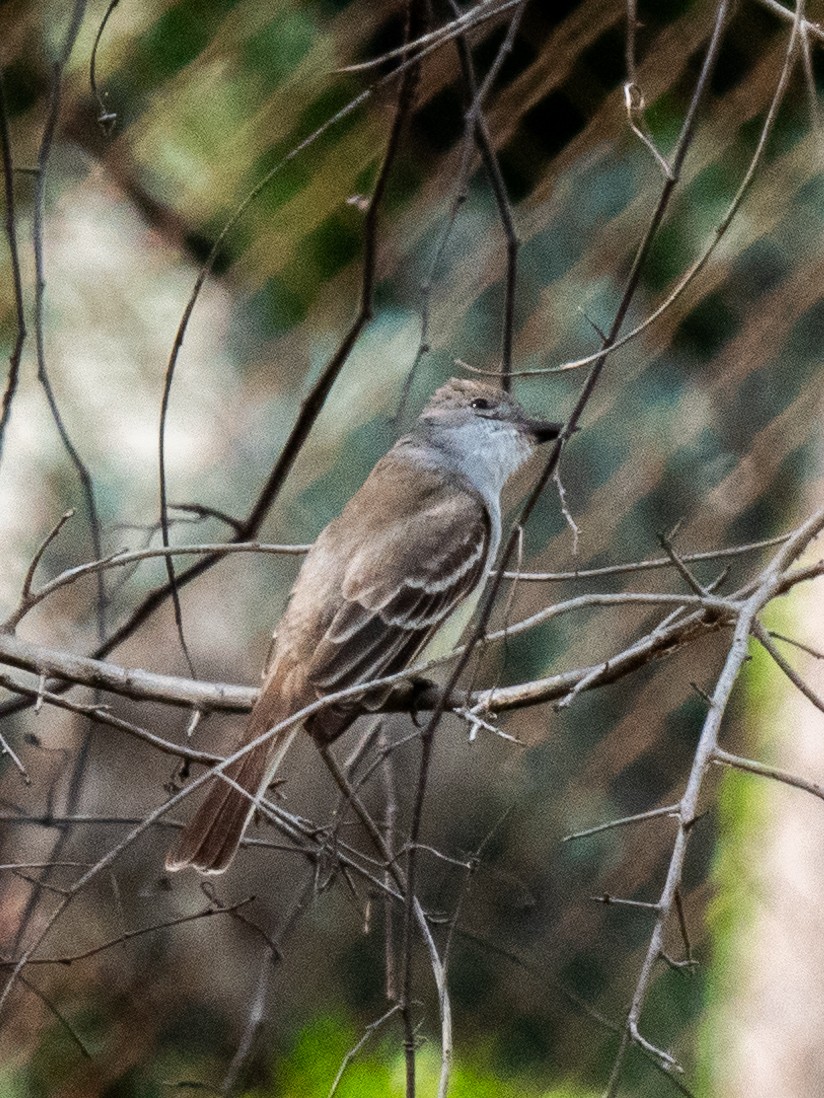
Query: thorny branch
[[692, 615], [707, 752], [708, 613]]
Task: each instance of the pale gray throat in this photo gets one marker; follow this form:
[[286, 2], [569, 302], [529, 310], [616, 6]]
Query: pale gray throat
[[482, 453]]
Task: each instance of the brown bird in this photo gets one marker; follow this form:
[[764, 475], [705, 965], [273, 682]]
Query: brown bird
[[408, 548]]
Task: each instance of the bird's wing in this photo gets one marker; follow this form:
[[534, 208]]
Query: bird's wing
[[402, 583]]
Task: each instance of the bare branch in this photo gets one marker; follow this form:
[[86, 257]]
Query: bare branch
[[101, 714], [125, 557], [647, 565], [206, 697], [106, 118], [14, 257], [6, 749], [129, 935], [724, 758], [655, 813], [763, 636], [132, 682], [706, 752], [38, 556]]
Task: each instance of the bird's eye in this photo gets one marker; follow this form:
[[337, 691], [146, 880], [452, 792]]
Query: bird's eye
[[480, 404]]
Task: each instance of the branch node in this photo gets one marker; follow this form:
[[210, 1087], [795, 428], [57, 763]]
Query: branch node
[[702, 694], [618, 901], [666, 1058], [565, 511], [477, 723], [636, 105], [41, 690]]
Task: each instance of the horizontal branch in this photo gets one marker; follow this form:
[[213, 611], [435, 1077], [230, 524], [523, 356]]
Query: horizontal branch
[[123, 557], [647, 564], [53, 663], [100, 713], [130, 682], [213, 908]]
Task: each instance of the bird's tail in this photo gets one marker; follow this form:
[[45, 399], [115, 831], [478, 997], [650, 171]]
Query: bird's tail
[[210, 839]]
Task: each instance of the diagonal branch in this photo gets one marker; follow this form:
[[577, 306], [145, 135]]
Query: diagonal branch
[[707, 751]]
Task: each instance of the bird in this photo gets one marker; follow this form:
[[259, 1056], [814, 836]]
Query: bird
[[413, 543]]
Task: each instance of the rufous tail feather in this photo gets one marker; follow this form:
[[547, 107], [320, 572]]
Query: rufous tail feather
[[209, 841]]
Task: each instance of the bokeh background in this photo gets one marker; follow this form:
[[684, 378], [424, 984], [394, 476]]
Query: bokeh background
[[710, 418]]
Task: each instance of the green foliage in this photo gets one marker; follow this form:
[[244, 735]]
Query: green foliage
[[179, 36], [378, 1070], [209, 98], [13, 1084], [279, 46], [742, 818]]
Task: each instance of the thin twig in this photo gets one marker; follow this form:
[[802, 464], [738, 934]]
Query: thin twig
[[620, 901], [750, 766], [424, 44], [506, 216], [106, 117], [718, 233], [6, 749], [565, 511], [130, 935], [814, 652], [816, 122], [681, 567], [635, 106], [25, 595], [254, 1020], [53, 1009], [646, 565], [639, 817], [369, 1032], [630, 59], [125, 557], [16, 277], [798, 682], [43, 157], [682, 926]]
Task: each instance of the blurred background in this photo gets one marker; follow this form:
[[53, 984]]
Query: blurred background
[[709, 419]]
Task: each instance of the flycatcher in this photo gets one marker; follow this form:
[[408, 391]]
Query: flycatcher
[[409, 547]]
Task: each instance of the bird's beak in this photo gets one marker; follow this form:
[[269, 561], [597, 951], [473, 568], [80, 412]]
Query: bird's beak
[[542, 430]]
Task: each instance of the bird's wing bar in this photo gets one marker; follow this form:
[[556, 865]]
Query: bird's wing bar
[[390, 611]]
